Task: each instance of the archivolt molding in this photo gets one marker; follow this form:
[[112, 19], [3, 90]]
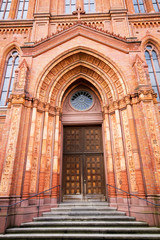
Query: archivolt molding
[[92, 66], [106, 91], [152, 40], [103, 98]]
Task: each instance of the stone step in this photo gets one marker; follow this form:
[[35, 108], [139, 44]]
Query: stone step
[[84, 208], [76, 221], [82, 218], [72, 204], [83, 213], [86, 223], [81, 236], [85, 230]]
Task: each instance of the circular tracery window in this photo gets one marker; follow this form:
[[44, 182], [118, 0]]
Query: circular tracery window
[[81, 100]]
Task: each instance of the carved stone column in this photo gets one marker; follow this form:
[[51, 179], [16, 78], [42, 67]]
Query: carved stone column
[[109, 154], [10, 156], [134, 164], [43, 154], [148, 136], [26, 185], [118, 148], [56, 152]]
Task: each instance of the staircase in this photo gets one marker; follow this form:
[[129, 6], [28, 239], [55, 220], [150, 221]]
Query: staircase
[[83, 220]]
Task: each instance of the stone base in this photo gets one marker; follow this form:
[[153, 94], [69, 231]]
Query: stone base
[[23, 212], [142, 210]]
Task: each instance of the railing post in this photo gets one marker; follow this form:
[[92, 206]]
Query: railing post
[[38, 204], [6, 219], [128, 205]]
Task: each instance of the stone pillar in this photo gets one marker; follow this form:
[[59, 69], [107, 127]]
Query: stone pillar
[[148, 136], [31, 9], [10, 157], [153, 135], [43, 154], [119, 22], [130, 7], [26, 185], [137, 169], [117, 4], [109, 155], [13, 9], [43, 6], [118, 149], [56, 152], [149, 6]]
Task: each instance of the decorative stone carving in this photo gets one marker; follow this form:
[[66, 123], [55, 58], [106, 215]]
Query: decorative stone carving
[[49, 153], [36, 152], [117, 159], [11, 151], [154, 139], [21, 77], [139, 66], [129, 151]]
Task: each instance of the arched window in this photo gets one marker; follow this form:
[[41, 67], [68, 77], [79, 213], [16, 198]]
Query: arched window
[[139, 6], [7, 83], [89, 6], [70, 6], [22, 9], [156, 5], [153, 68], [5, 8]]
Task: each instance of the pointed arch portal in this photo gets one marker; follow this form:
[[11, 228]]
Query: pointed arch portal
[[79, 155]]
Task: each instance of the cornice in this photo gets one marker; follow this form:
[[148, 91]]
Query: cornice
[[16, 23], [144, 16]]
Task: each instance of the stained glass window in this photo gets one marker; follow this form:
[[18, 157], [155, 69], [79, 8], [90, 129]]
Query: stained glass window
[[5, 8], [22, 9], [139, 6], [81, 100], [153, 68], [156, 5], [7, 84]]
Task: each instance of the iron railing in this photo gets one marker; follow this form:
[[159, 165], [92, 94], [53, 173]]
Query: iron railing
[[58, 187], [129, 195]]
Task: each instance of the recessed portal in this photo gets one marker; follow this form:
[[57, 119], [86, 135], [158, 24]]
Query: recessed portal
[[83, 159]]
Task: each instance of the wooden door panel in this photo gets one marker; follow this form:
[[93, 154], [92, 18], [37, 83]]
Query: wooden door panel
[[72, 139], [92, 139], [94, 174], [72, 174]]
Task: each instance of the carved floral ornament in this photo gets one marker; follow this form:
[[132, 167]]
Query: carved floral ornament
[[141, 95]]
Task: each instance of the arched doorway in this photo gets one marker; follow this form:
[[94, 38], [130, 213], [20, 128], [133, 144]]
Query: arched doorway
[[83, 156]]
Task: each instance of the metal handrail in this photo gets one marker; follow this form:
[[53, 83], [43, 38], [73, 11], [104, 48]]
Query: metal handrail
[[131, 194], [157, 205], [30, 197], [35, 195]]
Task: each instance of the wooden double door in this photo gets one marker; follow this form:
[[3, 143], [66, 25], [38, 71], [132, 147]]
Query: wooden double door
[[83, 165]]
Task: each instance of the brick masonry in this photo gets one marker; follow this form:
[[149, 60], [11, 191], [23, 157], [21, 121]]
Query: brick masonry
[[106, 50]]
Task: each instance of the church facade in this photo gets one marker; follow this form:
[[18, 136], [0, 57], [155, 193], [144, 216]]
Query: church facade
[[80, 104]]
